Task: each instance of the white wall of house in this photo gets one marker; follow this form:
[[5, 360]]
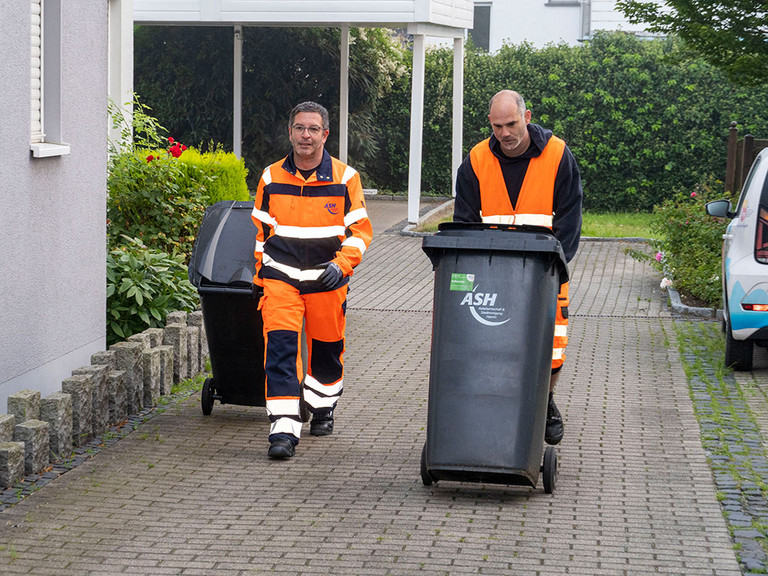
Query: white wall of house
[[542, 22], [52, 210]]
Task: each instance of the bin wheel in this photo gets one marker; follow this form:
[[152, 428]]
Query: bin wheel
[[549, 469], [425, 477], [206, 400]]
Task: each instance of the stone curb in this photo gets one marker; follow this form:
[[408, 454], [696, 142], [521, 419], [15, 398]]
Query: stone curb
[[677, 306]]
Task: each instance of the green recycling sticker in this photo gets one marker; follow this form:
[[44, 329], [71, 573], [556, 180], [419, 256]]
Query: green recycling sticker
[[462, 282]]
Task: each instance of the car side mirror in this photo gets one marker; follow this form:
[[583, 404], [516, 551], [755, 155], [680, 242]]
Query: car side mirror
[[720, 208]]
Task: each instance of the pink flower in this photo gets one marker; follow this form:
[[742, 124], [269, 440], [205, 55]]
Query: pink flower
[[659, 256], [693, 194]]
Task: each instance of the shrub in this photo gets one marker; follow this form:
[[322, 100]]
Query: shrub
[[689, 253], [154, 197], [226, 171], [143, 286]]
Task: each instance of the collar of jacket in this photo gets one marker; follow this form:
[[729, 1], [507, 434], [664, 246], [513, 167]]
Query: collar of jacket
[[324, 172], [539, 138]]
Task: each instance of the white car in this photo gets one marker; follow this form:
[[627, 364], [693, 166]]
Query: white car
[[745, 267]]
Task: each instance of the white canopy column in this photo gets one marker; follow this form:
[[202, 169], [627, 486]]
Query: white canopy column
[[458, 108], [419, 31], [120, 59], [417, 127], [344, 96], [237, 90]]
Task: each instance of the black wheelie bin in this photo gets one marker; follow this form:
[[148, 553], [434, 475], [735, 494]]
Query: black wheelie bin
[[495, 298], [221, 267]]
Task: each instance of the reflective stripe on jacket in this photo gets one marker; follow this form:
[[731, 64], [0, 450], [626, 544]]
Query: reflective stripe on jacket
[[305, 223], [536, 198]]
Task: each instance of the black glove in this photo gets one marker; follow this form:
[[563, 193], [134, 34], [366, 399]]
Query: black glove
[[331, 275]]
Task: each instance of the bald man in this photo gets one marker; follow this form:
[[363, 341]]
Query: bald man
[[525, 175]]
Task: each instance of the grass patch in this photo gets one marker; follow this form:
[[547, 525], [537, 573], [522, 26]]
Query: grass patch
[[616, 225], [730, 435]]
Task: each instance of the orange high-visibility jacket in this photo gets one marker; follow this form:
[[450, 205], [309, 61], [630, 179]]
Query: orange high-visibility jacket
[[534, 208], [535, 201], [303, 224]]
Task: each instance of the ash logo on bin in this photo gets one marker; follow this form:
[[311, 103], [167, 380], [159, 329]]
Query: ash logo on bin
[[482, 306]]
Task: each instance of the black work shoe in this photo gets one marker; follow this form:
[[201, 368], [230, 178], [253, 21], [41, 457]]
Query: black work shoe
[[321, 424], [281, 448], [554, 431]]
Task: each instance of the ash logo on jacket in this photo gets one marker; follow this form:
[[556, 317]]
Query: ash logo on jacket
[[331, 207]]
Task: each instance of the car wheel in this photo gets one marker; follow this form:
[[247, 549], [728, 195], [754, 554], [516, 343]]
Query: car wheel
[[738, 353]]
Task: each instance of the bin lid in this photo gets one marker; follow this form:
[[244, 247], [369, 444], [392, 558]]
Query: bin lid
[[495, 237], [223, 250]]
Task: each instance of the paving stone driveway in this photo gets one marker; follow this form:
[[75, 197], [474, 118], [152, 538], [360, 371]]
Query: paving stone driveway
[[189, 494]]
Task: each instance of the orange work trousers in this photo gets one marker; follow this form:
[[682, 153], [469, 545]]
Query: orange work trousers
[[561, 328], [284, 309]]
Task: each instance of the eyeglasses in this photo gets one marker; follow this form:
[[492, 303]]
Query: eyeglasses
[[313, 130]]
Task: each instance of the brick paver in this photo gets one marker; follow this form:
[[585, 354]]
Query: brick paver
[[189, 494]]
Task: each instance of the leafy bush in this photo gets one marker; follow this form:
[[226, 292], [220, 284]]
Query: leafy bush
[[156, 198], [227, 173], [143, 286], [690, 252]]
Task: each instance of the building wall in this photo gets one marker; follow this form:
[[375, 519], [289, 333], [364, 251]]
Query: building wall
[[52, 210], [542, 22]]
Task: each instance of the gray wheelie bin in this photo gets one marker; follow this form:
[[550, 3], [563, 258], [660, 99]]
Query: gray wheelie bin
[[495, 299], [221, 267]]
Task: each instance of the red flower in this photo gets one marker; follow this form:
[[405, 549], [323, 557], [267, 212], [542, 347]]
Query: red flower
[[170, 140], [183, 147], [150, 158], [175, 150]]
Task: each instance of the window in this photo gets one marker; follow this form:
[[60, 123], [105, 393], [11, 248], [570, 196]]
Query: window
[[45, 79], [36, 40], [481, 32]]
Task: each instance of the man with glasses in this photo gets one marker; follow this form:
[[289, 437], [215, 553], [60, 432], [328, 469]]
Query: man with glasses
[[312, 230]]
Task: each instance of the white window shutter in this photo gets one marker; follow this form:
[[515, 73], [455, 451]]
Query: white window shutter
[[36, 65]]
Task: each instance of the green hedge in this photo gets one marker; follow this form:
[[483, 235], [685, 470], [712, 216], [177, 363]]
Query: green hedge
[[642, 117], [228, 173]]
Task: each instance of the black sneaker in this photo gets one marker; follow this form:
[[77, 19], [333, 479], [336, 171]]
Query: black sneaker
[[321, 424], [281, 448], [554, 431]]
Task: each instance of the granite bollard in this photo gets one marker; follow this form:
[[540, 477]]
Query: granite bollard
[[166, 369], [152, 373], [118, 401], [24, 405], [129, 360], [176, 336], [106, 358], [193, 351], [79, 388], [35, 434], [56, 409], [100, 391], [11, 463], [7, 424], [196, 319]]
